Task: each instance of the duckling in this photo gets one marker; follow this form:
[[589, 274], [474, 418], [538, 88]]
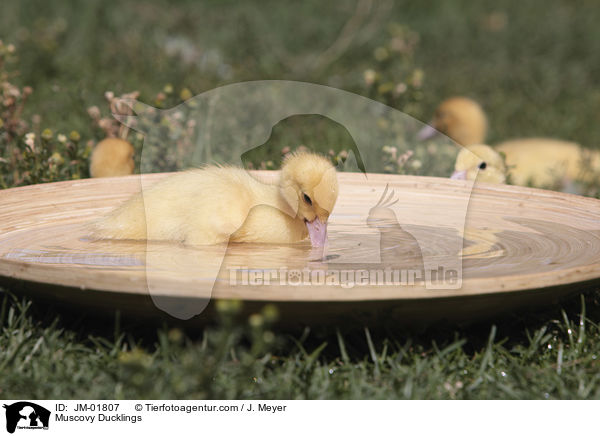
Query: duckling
[[215, 204], [539, 162], [459, 118], [112, 157], [545, 162], [479, 161]]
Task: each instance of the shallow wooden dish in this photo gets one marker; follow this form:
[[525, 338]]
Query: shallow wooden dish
[[521, 247]]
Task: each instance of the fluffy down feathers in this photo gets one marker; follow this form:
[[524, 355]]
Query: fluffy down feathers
[[479, 161], [459, 118], [543, 162], [219, 204], [112, 157]]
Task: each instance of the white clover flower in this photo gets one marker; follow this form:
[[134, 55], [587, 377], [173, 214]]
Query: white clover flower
[[370, 76], [61, 138]]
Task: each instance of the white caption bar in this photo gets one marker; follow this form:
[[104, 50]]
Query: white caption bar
[[23, 417]]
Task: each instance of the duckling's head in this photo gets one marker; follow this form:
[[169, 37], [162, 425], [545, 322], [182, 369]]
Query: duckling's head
[[309, 185], [459, 118], [481, 162], [112, 157]]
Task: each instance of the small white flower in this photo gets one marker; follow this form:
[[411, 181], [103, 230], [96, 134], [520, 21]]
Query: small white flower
[[30, 140], [392, 151], [94, 112], [370, 76], [61, 138], [401, 88]]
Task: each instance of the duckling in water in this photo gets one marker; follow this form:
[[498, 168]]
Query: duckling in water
[[112, 157], [479, 161], [539, 162], [217, 204]]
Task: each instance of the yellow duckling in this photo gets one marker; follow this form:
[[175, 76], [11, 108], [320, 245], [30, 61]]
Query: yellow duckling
[[539, 162], [112, 157], [459, 118], [217, 204], [545, 162], [479, 162]]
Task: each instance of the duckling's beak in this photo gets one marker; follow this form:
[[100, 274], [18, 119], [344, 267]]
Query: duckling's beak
[[459, 175], [317, 231], [426, 132]]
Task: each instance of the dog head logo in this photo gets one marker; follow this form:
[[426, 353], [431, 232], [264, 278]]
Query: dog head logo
[[26, 415]]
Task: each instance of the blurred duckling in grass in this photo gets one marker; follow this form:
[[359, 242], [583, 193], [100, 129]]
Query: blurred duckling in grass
[[546, 162], [479, 162], [488, 165], [112, 157], [218, 204], [461, 119], [540, 162]]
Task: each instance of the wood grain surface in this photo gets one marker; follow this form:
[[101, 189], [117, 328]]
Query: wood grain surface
[[507, 240]]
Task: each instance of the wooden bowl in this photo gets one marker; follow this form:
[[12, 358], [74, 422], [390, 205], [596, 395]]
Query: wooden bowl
[[514, 247]]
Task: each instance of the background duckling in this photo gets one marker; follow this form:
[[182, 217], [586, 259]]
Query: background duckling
[[218, 204], [541, 162], [479, 161], [112, 157], [459, 118], [547, 162]]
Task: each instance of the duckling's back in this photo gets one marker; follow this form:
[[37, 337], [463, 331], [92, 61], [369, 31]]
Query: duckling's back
[[544, 162], [203, 206]]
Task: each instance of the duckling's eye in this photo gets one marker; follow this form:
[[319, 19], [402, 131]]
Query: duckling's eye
[[482, 166], [307, 199]]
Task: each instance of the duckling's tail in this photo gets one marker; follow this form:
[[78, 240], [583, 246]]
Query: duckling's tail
[[126, 222]]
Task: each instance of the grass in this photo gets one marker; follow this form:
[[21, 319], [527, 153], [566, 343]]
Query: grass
[[548, 355], [533, 65]]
